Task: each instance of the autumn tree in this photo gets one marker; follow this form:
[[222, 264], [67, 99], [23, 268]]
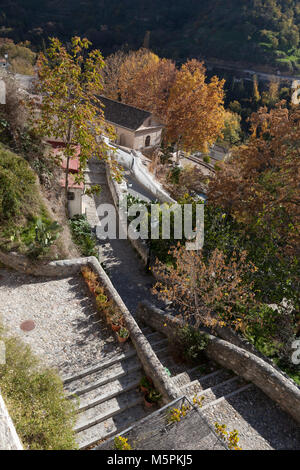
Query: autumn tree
[[149, 89], [232, 132], [111, 75], [133, 64], [271, 96], [195, 114], [256, 94], [258, 190], [13, 115], [259, 185], [69, 82], [210, 292]]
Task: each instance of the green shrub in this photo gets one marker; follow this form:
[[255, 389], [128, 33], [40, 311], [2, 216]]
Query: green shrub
[[43, 417], [190, 344], [40, 235], [18, 190], [82, 236]]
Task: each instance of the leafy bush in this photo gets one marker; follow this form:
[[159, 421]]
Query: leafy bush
[[82, 236], [25, 224], [18, 191], [40, 235], [34, 396], [190, 344]]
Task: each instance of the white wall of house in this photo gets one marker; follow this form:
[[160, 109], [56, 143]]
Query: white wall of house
[[138, 139], [125, 137], [75, 205], [141, 141]]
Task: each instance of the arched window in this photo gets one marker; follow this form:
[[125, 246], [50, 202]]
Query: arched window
[[147, 141]]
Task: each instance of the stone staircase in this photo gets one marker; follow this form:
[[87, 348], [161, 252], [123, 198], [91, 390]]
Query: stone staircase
[[107, 394], [110, 401], [95, 174], [229, 399]]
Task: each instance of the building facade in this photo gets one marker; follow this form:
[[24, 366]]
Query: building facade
[[135, 128]]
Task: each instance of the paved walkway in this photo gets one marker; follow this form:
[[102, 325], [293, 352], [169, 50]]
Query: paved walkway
[[118, 257], [68, 333]]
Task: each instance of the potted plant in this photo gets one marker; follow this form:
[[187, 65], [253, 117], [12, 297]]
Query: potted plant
[[123, 335], [151, 397], [114, 319], [145, 384], [90, 278]]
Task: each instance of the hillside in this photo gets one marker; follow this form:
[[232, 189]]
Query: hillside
[[263, 32]]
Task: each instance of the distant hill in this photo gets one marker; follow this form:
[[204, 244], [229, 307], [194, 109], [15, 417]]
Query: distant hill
[[264, 32]]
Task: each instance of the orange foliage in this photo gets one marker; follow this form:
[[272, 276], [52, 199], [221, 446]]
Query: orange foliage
[[260, 184], [149, 89], [208, 292], [195, 116]]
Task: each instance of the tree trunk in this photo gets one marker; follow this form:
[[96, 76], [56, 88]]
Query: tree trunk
[[67, 185], [68, 142]]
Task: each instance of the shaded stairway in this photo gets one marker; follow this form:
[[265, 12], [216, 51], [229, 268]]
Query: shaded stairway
[[107, 394], [229, 399]]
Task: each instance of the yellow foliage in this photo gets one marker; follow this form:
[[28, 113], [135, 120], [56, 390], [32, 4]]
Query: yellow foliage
[[195, 116]]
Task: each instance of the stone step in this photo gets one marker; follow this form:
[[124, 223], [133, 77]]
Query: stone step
[[194, 389], [173, 367], [95, 178], [184, 377], [109, 374], [95, 170], [99, 366], [227, 396], [158, 343], [109, 427], [106, 410], [146, 330], [155, 336], [110, 390], [203, 380]]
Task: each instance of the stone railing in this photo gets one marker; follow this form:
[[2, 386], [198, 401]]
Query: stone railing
[[69, 267], [132, 161], [269, 379], [9, 439]]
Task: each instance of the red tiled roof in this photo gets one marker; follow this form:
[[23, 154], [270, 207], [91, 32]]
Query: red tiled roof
[[72, 183], [58, 149]]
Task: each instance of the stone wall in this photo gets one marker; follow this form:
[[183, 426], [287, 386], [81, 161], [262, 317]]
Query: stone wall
[[269, 379], [9, 440]]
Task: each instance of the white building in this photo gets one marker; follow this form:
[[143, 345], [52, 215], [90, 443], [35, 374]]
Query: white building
[[135, 128]]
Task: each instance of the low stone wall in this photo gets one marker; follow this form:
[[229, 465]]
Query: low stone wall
[[9, 439], [69, 267], [244, 363], [53, 268], [147, 356]]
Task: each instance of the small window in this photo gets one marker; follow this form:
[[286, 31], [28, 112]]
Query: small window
[[147, 142], [71, 196], [150, 122]]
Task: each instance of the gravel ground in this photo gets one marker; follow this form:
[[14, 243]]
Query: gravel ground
[[68, 333], [261, 424]]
